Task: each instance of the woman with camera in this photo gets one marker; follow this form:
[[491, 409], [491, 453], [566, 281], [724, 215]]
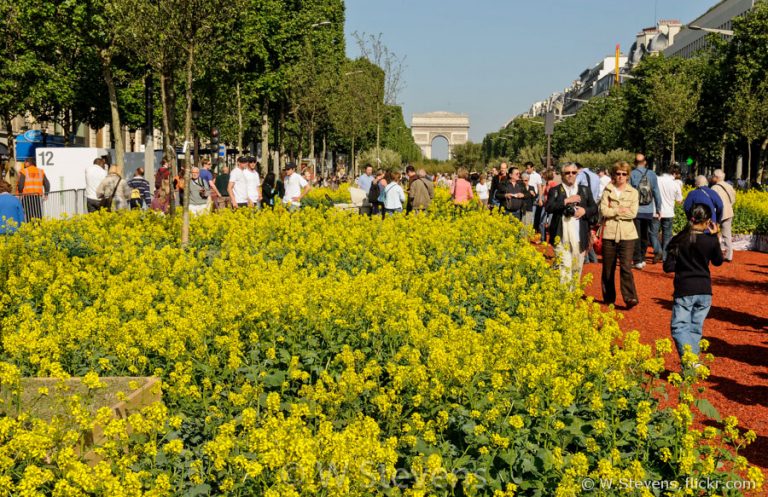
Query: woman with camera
[[618, 207]]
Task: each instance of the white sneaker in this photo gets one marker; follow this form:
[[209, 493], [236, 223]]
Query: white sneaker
[[639, 265]]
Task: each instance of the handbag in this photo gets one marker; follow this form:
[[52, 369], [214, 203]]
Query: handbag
[[597, 239], [106, 202]]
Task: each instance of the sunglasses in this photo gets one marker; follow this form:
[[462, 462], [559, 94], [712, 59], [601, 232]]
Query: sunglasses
[[620, 174], [570, 173]]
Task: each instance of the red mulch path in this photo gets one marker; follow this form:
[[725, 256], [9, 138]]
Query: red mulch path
[[737, 330]]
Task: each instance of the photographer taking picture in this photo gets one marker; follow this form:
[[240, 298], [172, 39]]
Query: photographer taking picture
[[571, 207]]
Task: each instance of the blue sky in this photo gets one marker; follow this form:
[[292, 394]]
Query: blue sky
[[492, 59]]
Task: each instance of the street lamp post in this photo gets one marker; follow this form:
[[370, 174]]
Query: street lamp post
[[724, 32]]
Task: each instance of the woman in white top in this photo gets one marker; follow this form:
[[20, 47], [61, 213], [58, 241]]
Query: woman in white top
[[482, 191], [393, 194]]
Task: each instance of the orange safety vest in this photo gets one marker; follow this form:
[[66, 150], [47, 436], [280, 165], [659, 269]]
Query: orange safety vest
[[33, 181]]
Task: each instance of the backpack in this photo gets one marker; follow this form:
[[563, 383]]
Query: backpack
[[373, 193], [136, 201], [382, 199], [644, 190]]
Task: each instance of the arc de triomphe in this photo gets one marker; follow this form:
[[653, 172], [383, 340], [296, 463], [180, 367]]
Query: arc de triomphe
[[427, 127]]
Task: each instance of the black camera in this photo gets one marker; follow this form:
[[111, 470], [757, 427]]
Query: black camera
[[570, 210]]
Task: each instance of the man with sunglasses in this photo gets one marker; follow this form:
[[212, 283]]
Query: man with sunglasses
[[571, 205]]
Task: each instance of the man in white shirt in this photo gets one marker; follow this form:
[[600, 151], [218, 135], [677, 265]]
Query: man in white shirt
[[670, 192], [534, 180], [253, 183], [94, 174], [238, 189], [605, 178], [295, 187]]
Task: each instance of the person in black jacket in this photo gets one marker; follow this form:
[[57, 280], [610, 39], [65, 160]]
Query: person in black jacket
[[571, 205], [496, 182], [511, 194], [268, 191], [688, 256]]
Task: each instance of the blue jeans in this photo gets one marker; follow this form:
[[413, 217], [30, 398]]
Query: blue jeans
[[688, 316], [545, 220], [666, 234], [391, 212]]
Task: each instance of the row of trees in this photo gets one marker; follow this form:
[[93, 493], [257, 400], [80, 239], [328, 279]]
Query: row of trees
[[708, 108], [268, 71]]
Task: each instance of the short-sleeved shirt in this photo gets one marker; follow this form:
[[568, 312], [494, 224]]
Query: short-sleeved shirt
[[222, 182], [670, 193], [253, 182], [206, 176], [294, 184], [364, 182], [240, 190], [482, 191], [534, 180]]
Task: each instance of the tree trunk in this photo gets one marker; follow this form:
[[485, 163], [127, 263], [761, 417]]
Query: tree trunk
[[312, 148], [189, 139], [378, 133], [239, 120], [68, 128], [168, 96], [11, 149], [722, 155], [322, 159], [281, 135], [276, 140], [672, 159], [352, 164], [749, 161], [106, 66], [149, 132], [762, 170], [265, 136]]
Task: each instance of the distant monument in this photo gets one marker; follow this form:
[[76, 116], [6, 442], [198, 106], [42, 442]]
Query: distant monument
[[426, 127]]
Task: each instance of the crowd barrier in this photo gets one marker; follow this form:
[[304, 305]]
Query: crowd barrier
[[57, 205]]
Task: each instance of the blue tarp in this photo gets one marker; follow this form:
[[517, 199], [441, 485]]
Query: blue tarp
[[28, 142]]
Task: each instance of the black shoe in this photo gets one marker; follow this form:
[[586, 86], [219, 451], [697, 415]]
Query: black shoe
[[631, 303], [656, 259]]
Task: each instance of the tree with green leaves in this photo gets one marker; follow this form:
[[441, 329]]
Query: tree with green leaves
[[748, 115], [747, 65], [469, 155], [354, 106], [661, 100], [598, 126]]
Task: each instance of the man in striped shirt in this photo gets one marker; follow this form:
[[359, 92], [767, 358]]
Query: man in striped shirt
[[140, 196]]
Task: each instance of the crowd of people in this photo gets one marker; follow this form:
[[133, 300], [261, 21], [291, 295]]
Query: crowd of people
[[620, 213]]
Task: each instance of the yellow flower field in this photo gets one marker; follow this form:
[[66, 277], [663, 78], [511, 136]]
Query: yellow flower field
[[323, 353]]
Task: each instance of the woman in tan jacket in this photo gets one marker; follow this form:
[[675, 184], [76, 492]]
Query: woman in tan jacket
[[618, 207]]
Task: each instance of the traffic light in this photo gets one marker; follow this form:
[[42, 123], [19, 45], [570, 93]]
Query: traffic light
[[215, 136], [689, 161]]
